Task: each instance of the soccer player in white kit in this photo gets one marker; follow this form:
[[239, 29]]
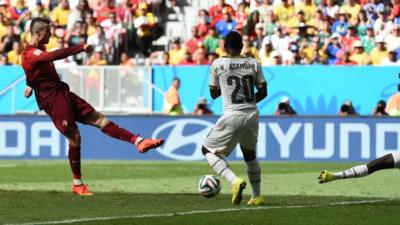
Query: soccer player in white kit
[[235, 77]]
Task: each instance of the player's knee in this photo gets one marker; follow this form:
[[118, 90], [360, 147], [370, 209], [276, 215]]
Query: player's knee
[[249, 155], [204, 150], [101, 121]]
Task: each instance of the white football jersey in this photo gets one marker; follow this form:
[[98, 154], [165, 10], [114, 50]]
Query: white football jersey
[[237, 78]]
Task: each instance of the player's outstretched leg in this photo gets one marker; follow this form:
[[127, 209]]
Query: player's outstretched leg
[[74, 157], [254, 174], [111, 129], [385, 162], [221, 167]]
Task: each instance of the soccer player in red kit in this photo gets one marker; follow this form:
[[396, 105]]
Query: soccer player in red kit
[[63, 106]]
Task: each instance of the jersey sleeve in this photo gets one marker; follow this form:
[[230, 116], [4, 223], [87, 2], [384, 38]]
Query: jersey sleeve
[[38, 56], [213, 76], [260, 80]]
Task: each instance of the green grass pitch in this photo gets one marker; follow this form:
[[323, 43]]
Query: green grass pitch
[[154, 192]]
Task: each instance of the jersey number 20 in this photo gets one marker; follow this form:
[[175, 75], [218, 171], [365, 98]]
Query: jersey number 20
[[247, 83]]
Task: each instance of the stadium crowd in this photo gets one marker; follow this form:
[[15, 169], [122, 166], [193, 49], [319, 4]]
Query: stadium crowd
[[275, 32]]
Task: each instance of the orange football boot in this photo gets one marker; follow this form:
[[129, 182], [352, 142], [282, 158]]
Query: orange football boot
[[147, 143], [81, 190]]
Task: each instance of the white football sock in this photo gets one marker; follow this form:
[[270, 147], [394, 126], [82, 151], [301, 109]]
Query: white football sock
[[219, 165], [254, 174], [396, 157], [357, 171], [77, 182]]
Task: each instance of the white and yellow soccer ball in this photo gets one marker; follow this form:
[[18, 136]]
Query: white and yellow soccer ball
[[209, 186]]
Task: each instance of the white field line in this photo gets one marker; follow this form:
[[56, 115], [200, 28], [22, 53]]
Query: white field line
[[200, 212]]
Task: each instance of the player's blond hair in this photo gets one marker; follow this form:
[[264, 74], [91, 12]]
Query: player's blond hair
[[38, 24]]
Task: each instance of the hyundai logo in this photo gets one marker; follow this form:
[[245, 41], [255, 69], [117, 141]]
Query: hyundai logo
[[183, 138]]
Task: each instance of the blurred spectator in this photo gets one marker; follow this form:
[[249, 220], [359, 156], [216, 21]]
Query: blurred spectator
[[60, 14], [269, 24], [333, 46], [362, 24], [280, 41], [14, 56], [318, 22], [340, 25], [211, 57], [284, 108], [216, 11], [102, 12], [347, 109], [201, 108], [266, 58], [97, 58], [172, 102], [7, 40], [391, 59], [248, 50], [345, 59], [226, 25], [313, 54], [352, 8], [293, 56], [4, 60], [265, 9], [284, 12], [220, 51], [187, 60], [91, 23], [158, 58], [241, 15], [23, 20], [276, 58], [308, 7], [176, 52], [200, 55], [379, 109], [382, 25], [211, 41], [393, 39], [330, 9], [368, 41], [99, 41], [359, 56], [371, 7], [349, 39], [250, 26], [393, 104], [78, 13], [379, 52], [193, 42], [18, 9], [258, 39], [40, 10], [3, 26], [126, 60], [395, 13], [203, 23]]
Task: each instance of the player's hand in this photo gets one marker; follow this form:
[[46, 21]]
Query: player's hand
[[88, 48], [28, 92]]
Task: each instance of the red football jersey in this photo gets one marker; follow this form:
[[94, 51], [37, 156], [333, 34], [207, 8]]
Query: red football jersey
[[41, 75]]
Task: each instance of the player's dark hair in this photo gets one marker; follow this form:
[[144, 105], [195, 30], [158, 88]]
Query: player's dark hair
[[233, 43], [37, 20]]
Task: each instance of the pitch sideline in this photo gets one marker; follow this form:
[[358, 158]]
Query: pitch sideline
[[199, 212]]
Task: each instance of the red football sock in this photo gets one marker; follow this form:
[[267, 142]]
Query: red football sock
[[113, 130], [74, 156]]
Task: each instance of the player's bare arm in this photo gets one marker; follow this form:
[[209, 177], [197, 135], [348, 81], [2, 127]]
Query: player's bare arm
[[28, 92], [262, 92], [215, 92]]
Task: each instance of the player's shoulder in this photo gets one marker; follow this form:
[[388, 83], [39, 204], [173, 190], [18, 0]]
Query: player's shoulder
[[31, 50]]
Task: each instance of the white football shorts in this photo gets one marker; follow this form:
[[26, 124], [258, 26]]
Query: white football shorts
[[233, 128]]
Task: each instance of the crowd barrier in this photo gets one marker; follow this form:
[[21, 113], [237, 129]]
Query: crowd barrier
[[313, 90], [280, 138]]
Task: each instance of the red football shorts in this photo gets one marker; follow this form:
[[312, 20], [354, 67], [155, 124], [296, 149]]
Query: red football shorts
[[65, 108]]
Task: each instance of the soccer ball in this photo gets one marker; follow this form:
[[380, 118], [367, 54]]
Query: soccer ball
[[209, 186]]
